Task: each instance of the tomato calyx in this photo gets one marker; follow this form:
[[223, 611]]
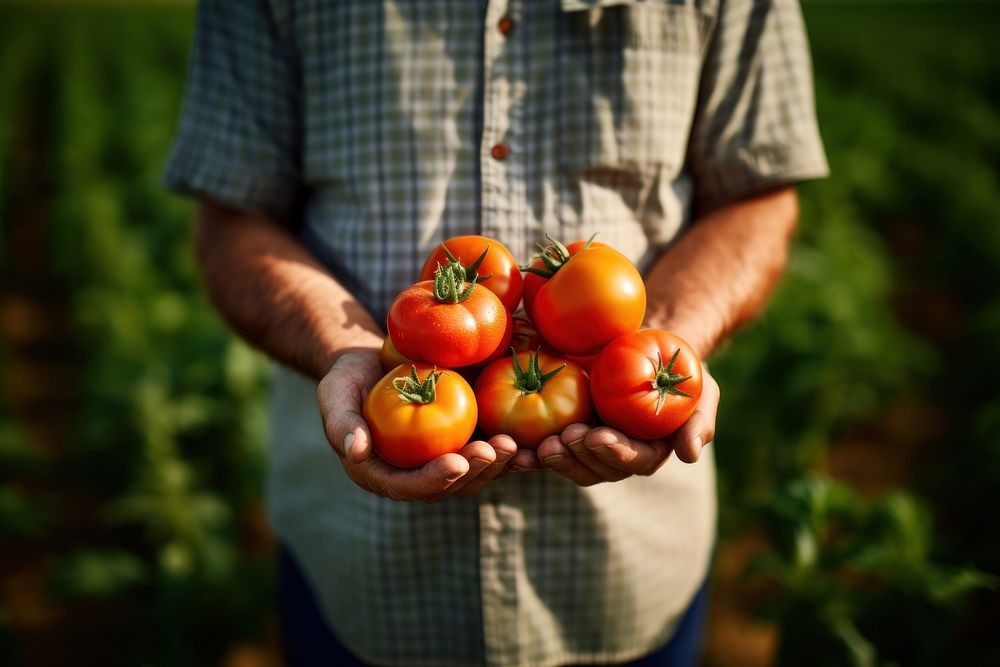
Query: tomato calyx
[[666, 380], [532, 380], [412, 390], [470, 272], [553, 256], [450, 284]]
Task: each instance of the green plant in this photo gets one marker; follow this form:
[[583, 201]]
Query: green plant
[[857, 583]]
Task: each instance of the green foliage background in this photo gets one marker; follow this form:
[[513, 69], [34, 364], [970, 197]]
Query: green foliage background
[[139, 508]]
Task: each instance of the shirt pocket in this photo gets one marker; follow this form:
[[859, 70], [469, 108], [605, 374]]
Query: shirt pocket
[[628, 81]]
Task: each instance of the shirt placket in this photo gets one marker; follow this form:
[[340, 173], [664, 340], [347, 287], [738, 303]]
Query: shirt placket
[[499, 555], [495, 156], [499, 549]]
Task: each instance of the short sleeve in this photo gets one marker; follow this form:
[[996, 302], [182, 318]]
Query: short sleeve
[[755, 124], [239, 134]]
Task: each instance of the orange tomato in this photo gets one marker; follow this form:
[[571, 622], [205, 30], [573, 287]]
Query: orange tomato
[[532, 281], [389, 356], [588, 299], [416, 413], [530, 396]]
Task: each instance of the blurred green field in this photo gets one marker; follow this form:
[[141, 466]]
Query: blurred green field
[[858, 445]]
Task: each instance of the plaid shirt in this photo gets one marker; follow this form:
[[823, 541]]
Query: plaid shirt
[[376, 130]]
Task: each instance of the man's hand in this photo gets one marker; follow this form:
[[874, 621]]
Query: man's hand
[[589, 456], [341, 394]]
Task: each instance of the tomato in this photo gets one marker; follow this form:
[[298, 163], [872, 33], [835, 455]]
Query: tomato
[[588, 299], [470, 373], [416, 413], [585, 361], [532, 281], [447, 322], [389, 356], [489, 259], [525, 337], [505, 343], [531, 396], [646, 383]]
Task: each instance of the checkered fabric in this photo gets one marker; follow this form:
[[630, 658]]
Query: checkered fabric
[[377, 129]]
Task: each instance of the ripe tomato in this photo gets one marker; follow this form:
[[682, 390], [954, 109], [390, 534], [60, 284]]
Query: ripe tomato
[[532, 281], [481, 256], [416, 414], [470, 373], [389, 356], [525, 337], [531, 396], [646, 383], [585, 361], [588, 299], [447, 322]]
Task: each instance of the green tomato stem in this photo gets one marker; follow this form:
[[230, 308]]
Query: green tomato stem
[[412, 390], [553, 256], [450, 285], [666, 380], [470, 272], [532, 380]]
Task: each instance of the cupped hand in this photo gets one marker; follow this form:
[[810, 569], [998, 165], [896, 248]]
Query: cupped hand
[[341, 394], [589, 456]]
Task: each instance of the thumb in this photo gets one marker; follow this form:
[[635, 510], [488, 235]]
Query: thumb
[[357, 441], [340, 406]]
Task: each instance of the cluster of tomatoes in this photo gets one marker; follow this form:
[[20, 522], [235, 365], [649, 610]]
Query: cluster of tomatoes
[[576, 347]]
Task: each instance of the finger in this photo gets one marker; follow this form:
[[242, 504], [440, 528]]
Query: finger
[[433, 477], [480, 456], [699, 430], [505, 448], [620, 452], [587, 458], [522, 461], [574, 432], [556, 456]]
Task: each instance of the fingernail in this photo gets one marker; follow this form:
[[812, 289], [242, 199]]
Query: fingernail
[[348, 441], [698, 444], [455, 478], [600, 449], [554, 460], [519, 469]]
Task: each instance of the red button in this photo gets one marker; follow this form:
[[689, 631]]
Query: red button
[[505, 25], [500, 152]]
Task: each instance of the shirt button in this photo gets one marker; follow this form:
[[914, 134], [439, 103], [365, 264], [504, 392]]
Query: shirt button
[[500, 152], [505, 25]]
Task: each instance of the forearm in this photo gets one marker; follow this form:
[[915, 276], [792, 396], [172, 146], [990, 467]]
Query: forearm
[[275, 294], [721, 272]]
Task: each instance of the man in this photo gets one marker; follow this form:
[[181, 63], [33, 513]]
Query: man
[[334, 144]]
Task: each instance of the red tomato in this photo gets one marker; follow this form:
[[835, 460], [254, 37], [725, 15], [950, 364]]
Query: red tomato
[[531, 396], [646, 383], [481, 256], [416, 414], [525, 337], [389, 356], [589, 299], [470, 373], [447, 322], [585, 361]]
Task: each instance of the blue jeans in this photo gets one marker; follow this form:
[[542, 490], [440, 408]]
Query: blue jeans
[[307, 640]]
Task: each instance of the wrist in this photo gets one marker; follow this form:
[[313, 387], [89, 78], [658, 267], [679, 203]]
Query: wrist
[[696, 332], [325, 359]]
